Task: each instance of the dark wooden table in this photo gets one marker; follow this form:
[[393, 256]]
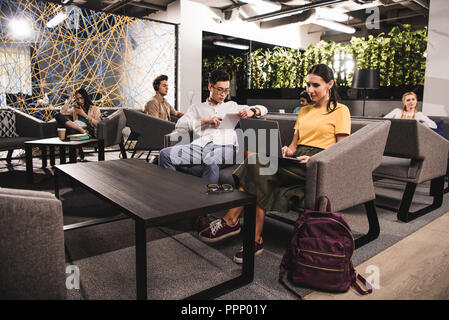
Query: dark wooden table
[[56, 142], [155, 196]]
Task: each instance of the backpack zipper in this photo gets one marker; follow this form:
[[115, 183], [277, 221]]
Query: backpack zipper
[[319, 268], [322, 253]]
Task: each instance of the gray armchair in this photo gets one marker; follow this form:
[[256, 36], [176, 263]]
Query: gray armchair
[[32, 264], [414, 154], [343, 173], [150, 130]]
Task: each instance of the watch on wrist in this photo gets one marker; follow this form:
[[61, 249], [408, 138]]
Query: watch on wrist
[[253, 110]]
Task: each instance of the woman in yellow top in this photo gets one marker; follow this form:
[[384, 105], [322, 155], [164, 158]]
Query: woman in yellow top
[[317, 127]]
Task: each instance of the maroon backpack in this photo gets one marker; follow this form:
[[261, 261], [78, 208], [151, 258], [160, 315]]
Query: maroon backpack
[[319, 255]]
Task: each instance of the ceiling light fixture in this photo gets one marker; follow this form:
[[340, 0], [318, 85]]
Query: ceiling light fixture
[[231, 45], [334, 25], [288, 14], [57, 19]]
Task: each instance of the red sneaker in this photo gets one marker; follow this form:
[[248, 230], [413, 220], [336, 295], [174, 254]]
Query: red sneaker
[[258, 249], [219, 230]]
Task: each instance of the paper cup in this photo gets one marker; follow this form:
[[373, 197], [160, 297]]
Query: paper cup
[[61, 133]]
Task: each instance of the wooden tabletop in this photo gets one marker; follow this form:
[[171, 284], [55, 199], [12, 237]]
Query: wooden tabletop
[[150, 193]]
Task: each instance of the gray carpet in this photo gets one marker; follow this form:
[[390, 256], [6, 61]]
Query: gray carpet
[[179, 264]]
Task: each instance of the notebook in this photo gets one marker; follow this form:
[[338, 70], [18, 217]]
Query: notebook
[[264, 148]]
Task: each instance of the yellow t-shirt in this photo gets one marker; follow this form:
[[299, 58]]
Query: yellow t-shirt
[[317, 128]]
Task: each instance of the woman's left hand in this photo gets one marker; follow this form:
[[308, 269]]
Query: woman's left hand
[[303, 159]]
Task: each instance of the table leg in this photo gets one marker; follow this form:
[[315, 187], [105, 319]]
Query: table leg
[[247, 276], [100, 150], [141, 260], [62, 155], [44, 156], [249, 230], [29, 163], [52, 156], [56, 184], [72, 154]]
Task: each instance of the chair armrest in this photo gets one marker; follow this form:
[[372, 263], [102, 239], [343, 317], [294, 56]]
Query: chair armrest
[[177, 137], [110, 128], [29, 126], [343, 172], [434, 149]]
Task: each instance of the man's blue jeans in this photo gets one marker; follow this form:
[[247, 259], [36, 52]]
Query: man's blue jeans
[[212, 157]]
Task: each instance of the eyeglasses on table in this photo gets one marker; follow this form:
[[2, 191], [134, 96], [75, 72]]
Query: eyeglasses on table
[[219, 188]]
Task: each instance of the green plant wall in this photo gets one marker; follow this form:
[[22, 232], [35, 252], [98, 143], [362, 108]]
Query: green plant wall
[[400, 57]]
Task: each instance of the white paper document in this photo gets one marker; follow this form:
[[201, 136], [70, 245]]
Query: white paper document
[[229, 121]]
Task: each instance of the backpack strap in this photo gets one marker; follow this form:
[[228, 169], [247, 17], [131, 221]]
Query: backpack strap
[[328, 203], [356, 286], [287, 286], [286, 259]]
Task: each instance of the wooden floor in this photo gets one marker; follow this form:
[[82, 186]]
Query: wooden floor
[[417, 267]]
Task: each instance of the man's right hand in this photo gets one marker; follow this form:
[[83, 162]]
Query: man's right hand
[[215, 121]]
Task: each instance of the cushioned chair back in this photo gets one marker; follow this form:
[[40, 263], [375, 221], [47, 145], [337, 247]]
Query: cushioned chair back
[[286, 126], [150, 130], [397, 145]]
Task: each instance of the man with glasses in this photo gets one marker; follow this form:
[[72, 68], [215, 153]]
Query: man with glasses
[[213, 146]]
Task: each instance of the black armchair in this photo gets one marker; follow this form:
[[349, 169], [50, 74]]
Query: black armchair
[[150, 130], [18, 127], [110, 130]]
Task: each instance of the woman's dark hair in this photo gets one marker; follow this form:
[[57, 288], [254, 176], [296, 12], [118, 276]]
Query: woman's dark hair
[[218, 75], [158, 80], [306, 96], [85, 95], [327, 74]]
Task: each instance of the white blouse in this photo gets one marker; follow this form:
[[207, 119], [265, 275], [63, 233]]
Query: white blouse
[[420, 117]]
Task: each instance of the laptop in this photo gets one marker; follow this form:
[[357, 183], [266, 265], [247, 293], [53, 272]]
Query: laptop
[[263, 148]]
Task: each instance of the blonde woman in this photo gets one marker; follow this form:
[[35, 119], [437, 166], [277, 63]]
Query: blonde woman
[[409, 111]]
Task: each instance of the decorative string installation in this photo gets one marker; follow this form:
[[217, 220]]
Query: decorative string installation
[[115, 58]]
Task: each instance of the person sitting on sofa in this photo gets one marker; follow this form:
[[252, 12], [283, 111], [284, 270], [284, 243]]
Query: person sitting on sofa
[[304, 100], [317, 127], [85, 115], [214, 146], [158, 106], [409, 111]]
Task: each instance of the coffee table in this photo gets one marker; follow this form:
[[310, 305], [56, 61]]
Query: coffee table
[[153, 196], [56, 142]]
